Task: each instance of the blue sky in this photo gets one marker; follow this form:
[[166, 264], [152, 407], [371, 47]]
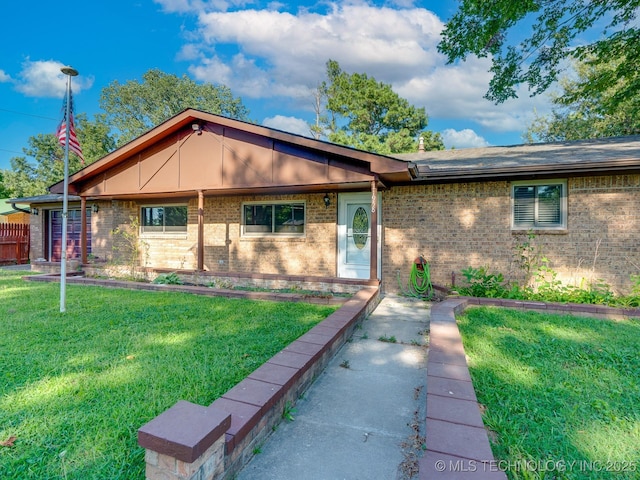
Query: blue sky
[[270, 54]]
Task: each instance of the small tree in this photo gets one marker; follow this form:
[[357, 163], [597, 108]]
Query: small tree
[[128, 247]]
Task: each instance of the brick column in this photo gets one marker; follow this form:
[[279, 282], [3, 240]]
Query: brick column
[[186, 442]]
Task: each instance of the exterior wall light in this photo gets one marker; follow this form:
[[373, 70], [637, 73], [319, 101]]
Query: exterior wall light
[[34, 211], [95, 208], [327, 200]]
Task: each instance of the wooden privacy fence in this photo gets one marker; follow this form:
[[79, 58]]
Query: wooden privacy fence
[[14, 243]]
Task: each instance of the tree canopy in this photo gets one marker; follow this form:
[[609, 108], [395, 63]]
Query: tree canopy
[[582, 107], [129, 111], [132, 108], [366, 114], [27, 178], [483, 27], [4, 192], [43, 163]]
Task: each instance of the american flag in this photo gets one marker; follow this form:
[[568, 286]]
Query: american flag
[[74, 145]]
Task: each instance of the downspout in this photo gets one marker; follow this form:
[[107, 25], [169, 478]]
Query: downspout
[[13, 205]]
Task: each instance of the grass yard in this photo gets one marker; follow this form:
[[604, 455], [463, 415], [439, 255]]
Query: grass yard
[[562, 393], [75, 387]]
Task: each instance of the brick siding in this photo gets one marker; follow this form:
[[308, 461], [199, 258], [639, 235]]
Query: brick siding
[[453, 225], [225, 250], [469, 224]]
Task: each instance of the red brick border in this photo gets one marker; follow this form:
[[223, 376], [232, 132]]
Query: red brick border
[[190, 441]]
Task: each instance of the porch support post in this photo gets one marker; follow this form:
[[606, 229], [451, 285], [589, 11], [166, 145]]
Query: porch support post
[[200, 230], [83, 229], [373, 275]]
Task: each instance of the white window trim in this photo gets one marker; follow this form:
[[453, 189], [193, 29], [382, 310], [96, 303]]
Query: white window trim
[[563, 205], [245, 234], [164, 234]]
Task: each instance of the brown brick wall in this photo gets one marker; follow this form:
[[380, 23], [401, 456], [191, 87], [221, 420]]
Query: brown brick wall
[[468, 224], [102, 222], [453, 225], [119, 217], [36, 234], [313, 254], [224, 248]]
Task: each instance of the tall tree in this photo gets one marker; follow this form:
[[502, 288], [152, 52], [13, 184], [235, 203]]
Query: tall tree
[[319, 95], [366, 114], [134, 107], [4, 192], [43, 163], [481, 27], [582, 107], [27, 178]]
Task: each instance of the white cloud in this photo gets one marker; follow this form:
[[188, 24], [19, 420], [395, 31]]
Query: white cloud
[[288, 124], [466, 138], [188, 52], [195, 6], [293, 49], [457, 91], [43, 78], [4, 77], [282, 55]]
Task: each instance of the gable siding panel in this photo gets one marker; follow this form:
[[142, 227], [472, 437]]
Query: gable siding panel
[[201, 161], [160, 170], [246, 165]]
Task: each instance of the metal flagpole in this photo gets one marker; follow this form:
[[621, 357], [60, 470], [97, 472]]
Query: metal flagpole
[[69, 72]]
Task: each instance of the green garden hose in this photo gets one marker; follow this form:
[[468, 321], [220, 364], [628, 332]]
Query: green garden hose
[[420, 278]]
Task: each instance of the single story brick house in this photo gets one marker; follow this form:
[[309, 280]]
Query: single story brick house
[[223, 197]]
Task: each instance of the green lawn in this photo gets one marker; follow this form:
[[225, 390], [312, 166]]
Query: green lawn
[[562, 393], [75, 387]]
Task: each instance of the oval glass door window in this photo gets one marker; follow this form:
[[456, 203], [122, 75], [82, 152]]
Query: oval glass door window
[[360, 228]]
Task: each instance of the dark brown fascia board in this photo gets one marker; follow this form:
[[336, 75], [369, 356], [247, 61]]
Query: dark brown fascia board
[[244, 191], [425, 174], [379, 163]]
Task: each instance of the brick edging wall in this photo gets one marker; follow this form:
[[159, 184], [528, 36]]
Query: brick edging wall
[[190, 441], [78, 278], [584, 309], [457, 444]]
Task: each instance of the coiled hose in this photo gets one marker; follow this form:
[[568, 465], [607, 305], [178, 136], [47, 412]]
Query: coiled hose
[[420, 278]]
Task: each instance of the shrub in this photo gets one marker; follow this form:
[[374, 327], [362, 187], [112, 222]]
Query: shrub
[[484, 284], [168, 279]]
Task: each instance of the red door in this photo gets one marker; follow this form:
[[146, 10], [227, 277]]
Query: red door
[[74, 227]]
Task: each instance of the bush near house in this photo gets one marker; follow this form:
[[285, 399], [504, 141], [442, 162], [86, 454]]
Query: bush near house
[[541, 282]]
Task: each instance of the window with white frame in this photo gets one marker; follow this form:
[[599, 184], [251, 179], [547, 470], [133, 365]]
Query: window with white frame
[[273, 218], [163, 219], [539, 205]]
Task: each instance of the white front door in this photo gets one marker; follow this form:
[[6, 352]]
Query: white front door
[[354, 235]]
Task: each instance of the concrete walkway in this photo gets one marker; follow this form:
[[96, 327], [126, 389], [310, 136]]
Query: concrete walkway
[[364, 415]]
